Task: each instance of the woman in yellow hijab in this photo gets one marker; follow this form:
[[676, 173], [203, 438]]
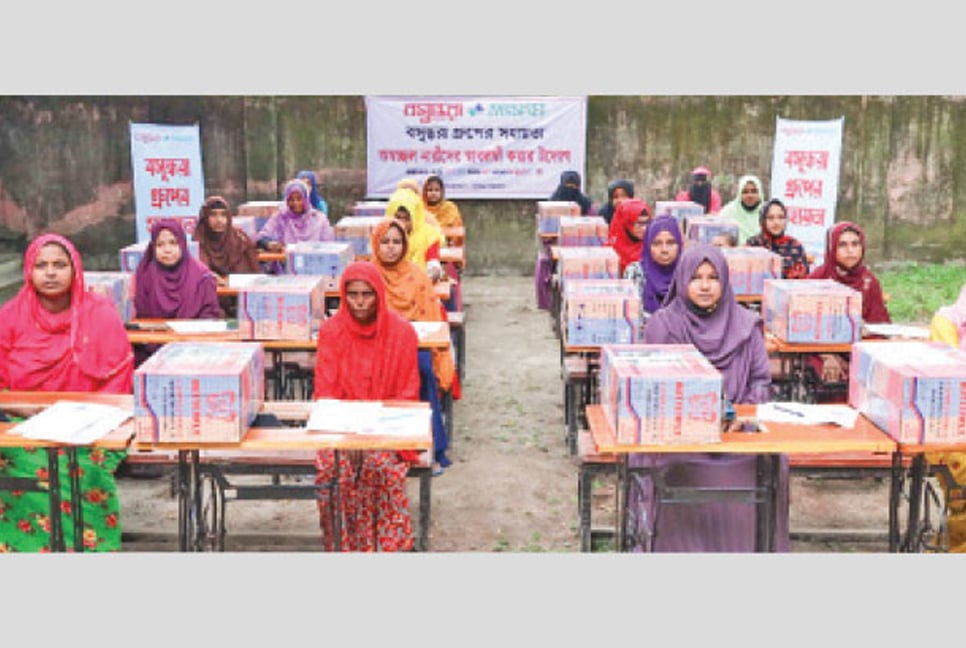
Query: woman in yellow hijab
[[425, 239]]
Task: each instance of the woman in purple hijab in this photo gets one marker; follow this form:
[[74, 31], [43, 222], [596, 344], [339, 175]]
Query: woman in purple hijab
[[170, 283], [700, 309], [297, 221], [659, 258]]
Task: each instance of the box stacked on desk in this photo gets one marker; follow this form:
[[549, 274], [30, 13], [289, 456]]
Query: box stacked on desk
[[660, 394], [326, 259], [357, 230], [118, 287], [601, 311], [198, 392], [816, 311], [749, 267], [130, 255], [582, 230], [251, 225], [549, 213], [281, 307], [595, 262], [704, 229], [369, 207], [260, 208], [914, 391], [680, 210]]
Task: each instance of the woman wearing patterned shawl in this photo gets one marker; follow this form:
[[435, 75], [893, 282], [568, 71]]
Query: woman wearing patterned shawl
[[297, 221], [772, 220], [701, 310], [366, 352], [56, 336], [409, 292]]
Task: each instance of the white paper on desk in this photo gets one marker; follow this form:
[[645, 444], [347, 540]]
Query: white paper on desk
[[425, 329], [73, 422], [330, 415], [403, 421], [897, 331], [807, 414], [243, 280], [198, 326]]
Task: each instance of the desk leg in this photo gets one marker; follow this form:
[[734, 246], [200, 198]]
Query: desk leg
[[767, 506], [188, 500], [895, 496], [623, 483], [425, 483], [585, 480], [76, 503], [336, 506], [916, 478], [53, 483]]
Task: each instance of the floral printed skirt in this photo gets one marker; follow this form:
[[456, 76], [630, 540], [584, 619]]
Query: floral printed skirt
[[25, 516]]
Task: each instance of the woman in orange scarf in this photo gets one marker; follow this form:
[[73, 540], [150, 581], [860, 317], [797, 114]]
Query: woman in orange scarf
[[434, 198], [409, 292]]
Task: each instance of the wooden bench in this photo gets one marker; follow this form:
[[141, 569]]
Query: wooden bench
[[576, 372], [591, 465], [457, 330]]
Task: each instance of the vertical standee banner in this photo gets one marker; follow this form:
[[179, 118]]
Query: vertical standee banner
[[168, 177], [482, 147], [805, 176]]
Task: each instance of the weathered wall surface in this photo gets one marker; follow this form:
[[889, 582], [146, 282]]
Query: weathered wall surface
[[65, 162]]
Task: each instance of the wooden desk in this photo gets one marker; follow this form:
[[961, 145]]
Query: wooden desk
[[119, 439], [454, 235], [264, 256], [780, 439], [454, 255]]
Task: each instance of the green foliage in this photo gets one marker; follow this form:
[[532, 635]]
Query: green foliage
[[917, 290]]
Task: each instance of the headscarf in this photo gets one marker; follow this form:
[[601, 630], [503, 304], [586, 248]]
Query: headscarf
[[621, 231], [184, 291], [225, 252], [571, 194], [315, 198], [607, 211], [375, 361], [288, 227], [409, 292], [956, 314], [423, 235], [730, 336], [446, 212], [83, 348], [657, 277], [746, 217], [701, 192], [794, 259], [859, 277]]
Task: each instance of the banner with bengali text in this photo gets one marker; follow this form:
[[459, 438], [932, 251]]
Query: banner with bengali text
[[482, 147], [805, 176], [168, 177]]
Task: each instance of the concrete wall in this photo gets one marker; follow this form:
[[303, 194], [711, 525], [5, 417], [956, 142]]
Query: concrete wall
[[65, 162]]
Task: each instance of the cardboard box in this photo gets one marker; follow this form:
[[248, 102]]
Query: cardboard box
[[199, 392], [704, 229], [601, 311], [549, 213], [812, 311], [583, 231], [281, 307], [118, 287], [130, 255], [681, 210], [263, 208], [326, 259], [249, 225], [915, 391], [660, 394], [593, 262], [370, 208], [357, 230], [750, 267]]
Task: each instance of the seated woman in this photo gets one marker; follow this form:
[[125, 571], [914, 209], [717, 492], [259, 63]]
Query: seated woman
[[224, 248], [845, 263], [169, 283], [569, 191], [366, 352], [773, 219], [409, 292], [425, 239], [447, 213], [701, 310], [56, 336], [315, 198], [659, 258], [297, 221], [617, 192], [745, 206], [626, 235], [949, 325], [701, 191]]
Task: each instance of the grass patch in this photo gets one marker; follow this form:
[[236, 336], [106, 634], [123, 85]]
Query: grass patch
[[917, 290]]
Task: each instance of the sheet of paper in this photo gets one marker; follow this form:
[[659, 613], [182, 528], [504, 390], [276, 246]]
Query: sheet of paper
[[808, 414], [198, 326], [403, 421], [329, 415], [242, 280], [425, 329], [73, 422], [897, 331]]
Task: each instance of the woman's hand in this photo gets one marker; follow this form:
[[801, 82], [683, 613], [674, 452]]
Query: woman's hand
[[276, 246]]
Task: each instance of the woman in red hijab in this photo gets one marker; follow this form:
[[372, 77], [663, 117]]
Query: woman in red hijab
[[367, 352], [56, 336], [845, 263], [627, 231]]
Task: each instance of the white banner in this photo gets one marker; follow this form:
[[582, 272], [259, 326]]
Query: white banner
[[805, 176], [168, 177], [482, 147]]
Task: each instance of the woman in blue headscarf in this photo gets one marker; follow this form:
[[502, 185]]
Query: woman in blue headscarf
[[315, 198]]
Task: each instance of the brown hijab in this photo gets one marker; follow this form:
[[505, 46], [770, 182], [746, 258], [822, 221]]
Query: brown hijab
[[225, 252]]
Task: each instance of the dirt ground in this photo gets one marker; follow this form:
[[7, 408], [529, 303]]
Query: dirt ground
[[513, 484]]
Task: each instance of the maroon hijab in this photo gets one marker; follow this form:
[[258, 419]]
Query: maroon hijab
[[729, 336], [858, 278], [183, 291]]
